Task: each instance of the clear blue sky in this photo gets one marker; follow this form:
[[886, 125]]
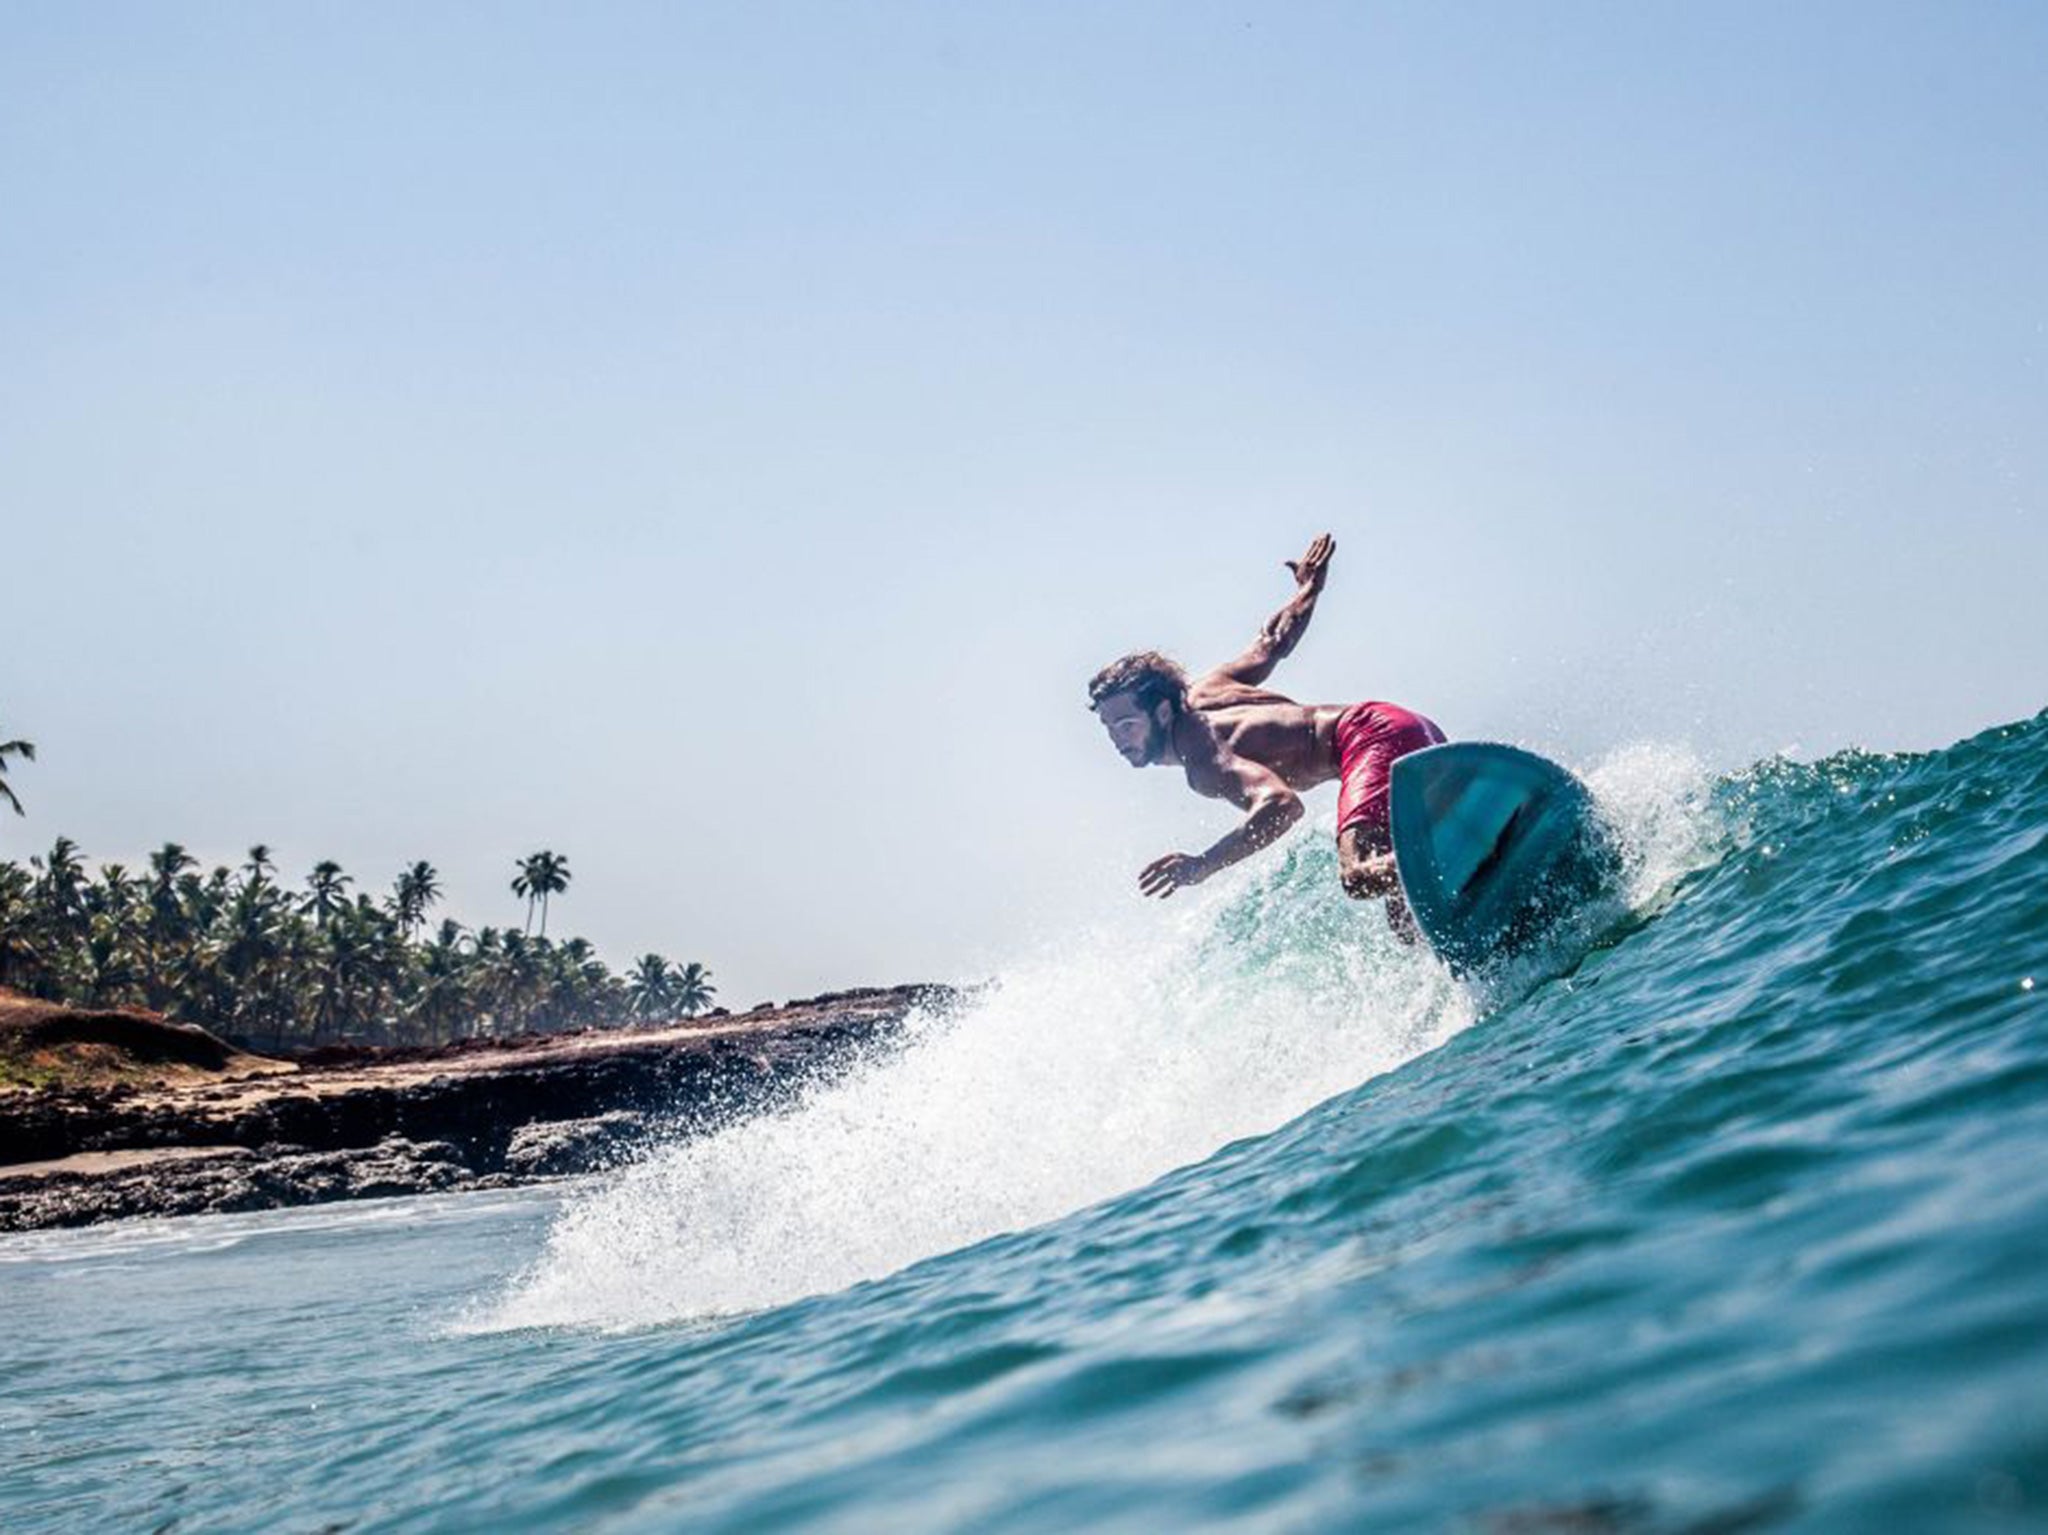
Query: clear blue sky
[[717, 443]]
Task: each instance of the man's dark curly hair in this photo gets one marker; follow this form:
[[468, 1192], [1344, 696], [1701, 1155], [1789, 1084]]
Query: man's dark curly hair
[[1147, 676]]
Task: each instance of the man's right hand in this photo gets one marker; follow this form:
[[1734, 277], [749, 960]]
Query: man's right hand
[[1314, 567], [1176, 871]]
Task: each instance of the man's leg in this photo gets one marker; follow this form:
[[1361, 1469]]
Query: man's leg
[[1365, 863], [1371, 737]]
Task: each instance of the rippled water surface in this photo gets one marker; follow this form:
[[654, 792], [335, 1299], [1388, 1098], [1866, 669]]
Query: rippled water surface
[[1243, 1218]]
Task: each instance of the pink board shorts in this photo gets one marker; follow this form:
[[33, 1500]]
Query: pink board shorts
[[1370, 736]]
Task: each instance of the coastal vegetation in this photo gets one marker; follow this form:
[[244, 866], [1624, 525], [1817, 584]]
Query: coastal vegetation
[[258, 961]]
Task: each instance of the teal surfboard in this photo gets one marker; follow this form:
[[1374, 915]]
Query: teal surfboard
[[1498, 849]]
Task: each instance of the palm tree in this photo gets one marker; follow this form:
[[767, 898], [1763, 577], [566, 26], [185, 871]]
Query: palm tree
[[485, 957], [442, 997], [248, 946], [515, 983], [693, 989], [114, 895], [260, 864], [345, 959], [540, 875], [206, 899], [26, 750], [167, 924], [20, 954], [324, 891], [580, 988], [165, 865], [112, 967], [60, 918], [63, 875], [649, 986], [292, 983], [416, 889]]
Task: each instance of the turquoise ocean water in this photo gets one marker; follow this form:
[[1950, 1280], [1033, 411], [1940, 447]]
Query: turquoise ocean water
[[1234, 1216]]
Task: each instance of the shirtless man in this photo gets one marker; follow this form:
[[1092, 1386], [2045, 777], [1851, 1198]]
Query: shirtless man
[[1240, 741]]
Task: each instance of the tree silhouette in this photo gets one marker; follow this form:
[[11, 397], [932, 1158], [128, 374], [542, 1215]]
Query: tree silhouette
[[540, 875], [693, 989], [416, 889], [650, 985], [26, 750], [325, 891]]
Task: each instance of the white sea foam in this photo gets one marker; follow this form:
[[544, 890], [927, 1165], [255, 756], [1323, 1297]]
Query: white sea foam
[[1093, 1066], [1656, 796]]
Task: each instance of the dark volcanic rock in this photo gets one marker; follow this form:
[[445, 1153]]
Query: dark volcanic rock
[[375, 1123], [554, 1147]]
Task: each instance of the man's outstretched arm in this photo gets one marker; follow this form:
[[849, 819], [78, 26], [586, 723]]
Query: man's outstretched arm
[[1283, 631], [1273, 807]]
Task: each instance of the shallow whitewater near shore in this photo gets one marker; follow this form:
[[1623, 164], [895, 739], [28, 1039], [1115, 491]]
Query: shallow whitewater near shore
[[1257, 1222]]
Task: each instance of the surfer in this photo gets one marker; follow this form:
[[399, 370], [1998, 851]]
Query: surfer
[[1240, 741]]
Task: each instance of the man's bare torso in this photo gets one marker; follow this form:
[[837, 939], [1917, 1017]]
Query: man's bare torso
[[1295, 740]]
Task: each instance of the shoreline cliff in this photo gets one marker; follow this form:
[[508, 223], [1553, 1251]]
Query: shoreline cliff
[[139, 1117]]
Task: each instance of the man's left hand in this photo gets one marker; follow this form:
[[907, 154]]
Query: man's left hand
[[1163, 876], [1313, 568]]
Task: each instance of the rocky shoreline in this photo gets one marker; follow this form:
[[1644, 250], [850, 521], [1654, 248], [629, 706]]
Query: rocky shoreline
[[369, 1123]]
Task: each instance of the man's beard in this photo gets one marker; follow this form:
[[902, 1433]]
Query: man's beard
[[1156, 737]]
